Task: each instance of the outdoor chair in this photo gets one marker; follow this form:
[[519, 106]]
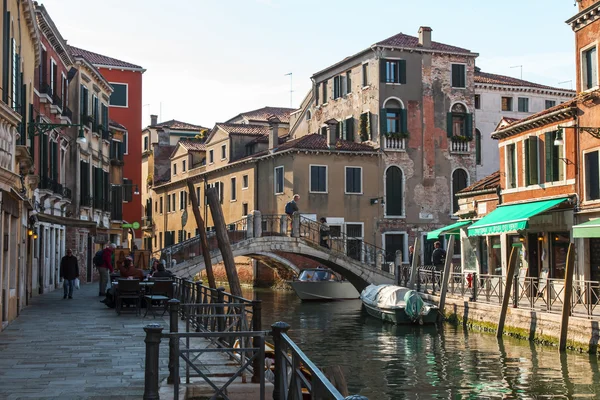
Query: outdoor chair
[[158, 296], [130, 291]]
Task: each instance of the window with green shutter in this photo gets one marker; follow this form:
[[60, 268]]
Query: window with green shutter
[[392, 71], [324, 91], [552, 162], [365, 126], [459, 75], [128, 190], [477, 147], [349, 129], [530, 146]]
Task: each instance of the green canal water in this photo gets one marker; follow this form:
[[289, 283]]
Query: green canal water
[[386, 362]]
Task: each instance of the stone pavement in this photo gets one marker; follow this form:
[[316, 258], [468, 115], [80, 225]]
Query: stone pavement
[[75, 349]]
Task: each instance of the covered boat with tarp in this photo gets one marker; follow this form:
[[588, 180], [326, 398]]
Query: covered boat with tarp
[[398, 305]]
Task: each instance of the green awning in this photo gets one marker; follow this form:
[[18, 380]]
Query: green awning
[[590, 229], [511, 218], [447, 230]]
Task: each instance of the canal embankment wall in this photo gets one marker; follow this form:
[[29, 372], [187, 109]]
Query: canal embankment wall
[[538, 326]]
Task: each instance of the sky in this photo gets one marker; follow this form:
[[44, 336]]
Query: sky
[[207, 61]]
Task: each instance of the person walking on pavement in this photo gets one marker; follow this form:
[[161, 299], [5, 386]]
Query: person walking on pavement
[[324, 233], [438, 259], [69, 271], [106, 267]]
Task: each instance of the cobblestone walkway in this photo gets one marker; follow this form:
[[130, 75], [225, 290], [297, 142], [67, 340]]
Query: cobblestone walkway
[[74, 349]]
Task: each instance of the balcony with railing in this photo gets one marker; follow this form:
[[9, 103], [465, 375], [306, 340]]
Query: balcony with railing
[[45, 183], [104, 132], [459, 145], [45, 92], [86, 201], [56, 106], [66, 115], [394, 142]]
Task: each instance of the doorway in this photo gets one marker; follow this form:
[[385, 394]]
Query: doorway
[[393, 242], [595, 259], [534, 250]]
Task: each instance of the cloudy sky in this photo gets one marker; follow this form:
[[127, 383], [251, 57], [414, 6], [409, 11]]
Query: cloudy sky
[[207, 61]]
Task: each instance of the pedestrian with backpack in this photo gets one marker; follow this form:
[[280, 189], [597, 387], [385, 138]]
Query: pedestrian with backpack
[[103, 262], [291, 207]]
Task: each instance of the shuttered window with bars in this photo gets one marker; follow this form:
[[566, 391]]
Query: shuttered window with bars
[[552, 161], [127, 190], [84, 183]]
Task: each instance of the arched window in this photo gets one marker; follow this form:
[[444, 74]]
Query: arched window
[[308, 115], [477, 147], [394, 117], [459, 122], [394, 192], [460, 180]]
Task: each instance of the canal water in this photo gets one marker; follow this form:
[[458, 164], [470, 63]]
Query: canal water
[[387, 362]]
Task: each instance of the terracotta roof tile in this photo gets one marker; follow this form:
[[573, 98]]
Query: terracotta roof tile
[[565, 105], [174, 124], [407, 41], [494, 79], [116, 124], [245, 129], [319, 142], [489, 182], [98, 59], [192, 145], [262, 114]]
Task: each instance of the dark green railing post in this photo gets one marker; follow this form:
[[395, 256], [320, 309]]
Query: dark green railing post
[[153, 332], [280, 366], [258, 364], [474, 298], [220, 310], [515, 291], [173, 340]]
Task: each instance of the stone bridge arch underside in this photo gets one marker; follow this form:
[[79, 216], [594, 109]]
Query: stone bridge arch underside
[[265, 249]]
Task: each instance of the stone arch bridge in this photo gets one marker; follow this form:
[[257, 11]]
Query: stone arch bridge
[[265, 237]]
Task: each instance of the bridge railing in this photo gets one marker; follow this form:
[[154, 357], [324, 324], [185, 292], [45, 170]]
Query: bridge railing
[[342, 243], [191, 248]]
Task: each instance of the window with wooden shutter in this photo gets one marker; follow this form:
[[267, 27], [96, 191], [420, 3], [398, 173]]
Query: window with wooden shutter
[[459, 76], [402, 71], [551, 157], [460, 181], [592, 176], [365, 126], [449, 125], [324, 91], [477, 147], [318, 179], [233, 189], [365, 74], [127, 190], [354, 180], [383, 122], [590, 68], [349, 129], [530, 146], [511, 160], [348, 82]]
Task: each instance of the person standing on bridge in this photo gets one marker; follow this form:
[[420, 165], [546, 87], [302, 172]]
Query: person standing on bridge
[[291, 207], [324, 233]]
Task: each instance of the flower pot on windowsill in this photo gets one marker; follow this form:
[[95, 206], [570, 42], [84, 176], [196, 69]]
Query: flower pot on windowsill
[[398, 135], [460, 138]]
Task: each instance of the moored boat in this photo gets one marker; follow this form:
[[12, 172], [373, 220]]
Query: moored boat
[[322, 284], [398, 305]]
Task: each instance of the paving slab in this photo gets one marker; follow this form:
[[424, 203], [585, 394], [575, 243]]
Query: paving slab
[[81, 349]]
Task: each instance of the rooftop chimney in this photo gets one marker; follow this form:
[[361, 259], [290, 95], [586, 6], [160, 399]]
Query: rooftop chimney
[[425, 37], [332, 134], [274, 134], [153, 120]]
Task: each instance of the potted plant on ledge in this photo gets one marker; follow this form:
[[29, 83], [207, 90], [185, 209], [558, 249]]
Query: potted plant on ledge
[[460, 138]]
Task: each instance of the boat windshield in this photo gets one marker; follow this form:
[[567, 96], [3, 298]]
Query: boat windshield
[[315, 275]]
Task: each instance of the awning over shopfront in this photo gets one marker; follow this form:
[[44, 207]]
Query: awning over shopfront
[[453, 229], [512, 217], [590, 229]]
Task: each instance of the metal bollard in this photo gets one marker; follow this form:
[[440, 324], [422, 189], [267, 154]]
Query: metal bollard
[[153, 332], [173, 340], [280, 367]]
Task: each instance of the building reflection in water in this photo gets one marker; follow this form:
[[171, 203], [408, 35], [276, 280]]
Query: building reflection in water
[[388, 362]]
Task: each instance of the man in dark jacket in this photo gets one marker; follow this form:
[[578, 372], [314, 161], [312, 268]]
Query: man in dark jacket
[[69, 271], [162, 272]]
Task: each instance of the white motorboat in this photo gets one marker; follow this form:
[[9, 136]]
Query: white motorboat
[[322, 284], [398, 305]]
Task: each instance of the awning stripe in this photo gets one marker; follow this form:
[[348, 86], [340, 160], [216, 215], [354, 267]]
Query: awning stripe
[[590, 229]]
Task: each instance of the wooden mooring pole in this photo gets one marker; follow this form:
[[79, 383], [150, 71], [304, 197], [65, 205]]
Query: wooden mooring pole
[[203, 239], [445, 275], [223, 241], [414, 268], [567, 291], [510, 273]]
